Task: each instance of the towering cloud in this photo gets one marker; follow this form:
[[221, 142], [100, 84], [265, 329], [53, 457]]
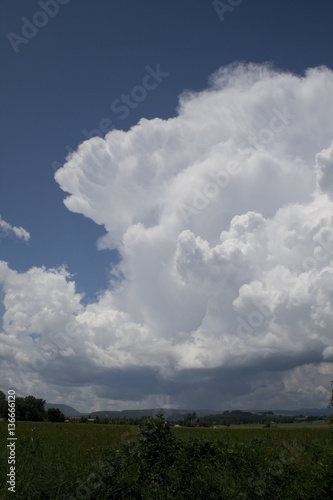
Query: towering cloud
[[223, 219]]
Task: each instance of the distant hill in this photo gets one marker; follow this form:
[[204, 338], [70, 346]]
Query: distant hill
[[311, 412], [172, 413], [169, 413], [176, 414], [68, 411]]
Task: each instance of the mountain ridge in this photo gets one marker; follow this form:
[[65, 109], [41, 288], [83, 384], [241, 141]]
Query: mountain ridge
[[175, 413]]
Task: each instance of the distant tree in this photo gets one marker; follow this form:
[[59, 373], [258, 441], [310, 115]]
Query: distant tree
[[30, 408], [35, 410], [3, 405], [104, 421], [55, 415], [190, 420], [83, 420], [20, 408], [204, 423]]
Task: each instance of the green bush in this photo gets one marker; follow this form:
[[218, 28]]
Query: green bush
[[158, 466]]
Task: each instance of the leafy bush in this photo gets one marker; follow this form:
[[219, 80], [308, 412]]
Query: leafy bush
[[55, 415], [158, 466]]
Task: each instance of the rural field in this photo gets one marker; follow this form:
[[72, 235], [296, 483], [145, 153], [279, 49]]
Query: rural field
[[86, 461]]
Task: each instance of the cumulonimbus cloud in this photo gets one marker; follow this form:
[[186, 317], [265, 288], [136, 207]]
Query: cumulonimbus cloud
[[223, 219]]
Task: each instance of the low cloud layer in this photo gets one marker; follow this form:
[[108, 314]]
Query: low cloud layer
[[223, 216]]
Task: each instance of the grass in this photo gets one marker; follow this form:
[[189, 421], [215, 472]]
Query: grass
[[54, 461], [52, 458], [243, 433]]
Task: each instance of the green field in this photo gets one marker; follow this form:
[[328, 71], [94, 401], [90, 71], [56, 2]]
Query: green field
[[55, 461], [53, 458]]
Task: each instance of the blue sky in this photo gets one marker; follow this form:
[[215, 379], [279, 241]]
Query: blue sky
[[64, 79]]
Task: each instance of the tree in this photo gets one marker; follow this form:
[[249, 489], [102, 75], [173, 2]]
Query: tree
[[20, 408], [190, 419], [156, 450], [3, 405], [35, 409], [30, 408], [55, 415]]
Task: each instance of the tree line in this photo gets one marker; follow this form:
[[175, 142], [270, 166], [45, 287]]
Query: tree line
[[30, 409]]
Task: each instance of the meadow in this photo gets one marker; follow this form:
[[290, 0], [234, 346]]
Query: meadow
[[88, 461]]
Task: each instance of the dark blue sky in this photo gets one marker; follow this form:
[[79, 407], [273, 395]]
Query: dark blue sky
[[66, 77]]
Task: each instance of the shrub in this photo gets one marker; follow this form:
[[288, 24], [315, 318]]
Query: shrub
[[157, 466], [55, 415]]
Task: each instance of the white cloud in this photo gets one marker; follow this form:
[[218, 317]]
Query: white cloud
[[6, 229], [223, 219], [324, 171]]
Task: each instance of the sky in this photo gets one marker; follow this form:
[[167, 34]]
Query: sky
[[166, 203]]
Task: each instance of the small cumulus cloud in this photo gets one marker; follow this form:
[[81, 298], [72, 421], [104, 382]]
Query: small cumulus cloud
[[8, 230], [222, 216]]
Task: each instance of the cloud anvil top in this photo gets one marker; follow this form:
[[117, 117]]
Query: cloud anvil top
[[222, 217]]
